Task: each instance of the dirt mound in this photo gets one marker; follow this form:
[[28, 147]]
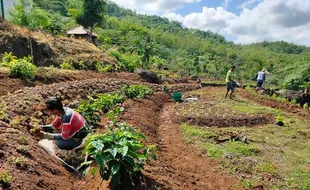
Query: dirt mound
[[23, 159], [49, 76], [226, 122], [30, 166], [49, 49], [149, 76], [179, 165], [285, 106]]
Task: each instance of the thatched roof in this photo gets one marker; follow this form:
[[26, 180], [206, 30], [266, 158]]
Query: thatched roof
[[80, 31]]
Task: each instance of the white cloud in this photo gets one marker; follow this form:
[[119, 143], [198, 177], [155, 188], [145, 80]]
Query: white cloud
[[153, 6], [249, 4], [226, 3], [260, 20], [273, 20], [174, 17], [214, 19]]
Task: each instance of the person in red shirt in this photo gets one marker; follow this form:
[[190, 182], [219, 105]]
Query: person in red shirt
[[73, 126]]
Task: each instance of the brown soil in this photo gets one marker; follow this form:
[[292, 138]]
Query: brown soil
[[49, 49], [286, 107], [8, 84], [179, 165], [25, 105], [41, 170], [227, 122]]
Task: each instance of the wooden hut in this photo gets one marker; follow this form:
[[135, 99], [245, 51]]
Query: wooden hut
[[81, 33]]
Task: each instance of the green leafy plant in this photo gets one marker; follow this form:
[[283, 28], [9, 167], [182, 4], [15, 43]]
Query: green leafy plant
[[67, 65], [89, 112], [107, 101], [7, 59], [5, 178], [306, 106], [103, 103], [130, 61], [23, 140], [294, 101], [280, 120], [119, 153], [20, 162], [23, 68], [102, 69], [3, 112], [114, 114], [139, 91]]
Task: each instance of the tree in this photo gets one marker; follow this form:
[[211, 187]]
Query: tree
[[25, 14], [92, 15]]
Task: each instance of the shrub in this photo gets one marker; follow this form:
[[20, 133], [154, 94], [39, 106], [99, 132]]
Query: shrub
[[66, 65], [139, 91], [130, 61], [102, 69], [89, 112], [23, 68], [7, 59], [119, 153]]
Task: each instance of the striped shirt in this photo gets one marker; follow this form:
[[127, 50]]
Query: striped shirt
[[70, 123]]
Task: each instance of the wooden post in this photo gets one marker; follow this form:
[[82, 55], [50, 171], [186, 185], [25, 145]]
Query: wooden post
[[2, 9]]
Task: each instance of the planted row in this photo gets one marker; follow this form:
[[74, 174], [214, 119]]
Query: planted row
[[92, 108]]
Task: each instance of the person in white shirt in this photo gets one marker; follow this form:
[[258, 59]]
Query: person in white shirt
[[260, 78]]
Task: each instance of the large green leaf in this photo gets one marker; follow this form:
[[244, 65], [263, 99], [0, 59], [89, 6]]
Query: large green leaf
[[115, 168], [98, 145], [124, 151], [101, 159], [123, 142], [113, 152], [130, 161]]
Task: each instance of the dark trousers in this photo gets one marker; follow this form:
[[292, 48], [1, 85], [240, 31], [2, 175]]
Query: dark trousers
[[62, 144]]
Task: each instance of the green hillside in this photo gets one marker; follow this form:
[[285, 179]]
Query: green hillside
[[136, 40]]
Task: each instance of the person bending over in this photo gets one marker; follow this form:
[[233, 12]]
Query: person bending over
[[73, 126]]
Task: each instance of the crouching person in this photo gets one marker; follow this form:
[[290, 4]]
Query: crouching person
[[73, 126]]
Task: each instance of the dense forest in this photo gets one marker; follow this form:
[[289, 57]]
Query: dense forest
[[153, 42]]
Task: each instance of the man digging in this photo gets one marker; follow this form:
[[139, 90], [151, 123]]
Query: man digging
[[230, 83]]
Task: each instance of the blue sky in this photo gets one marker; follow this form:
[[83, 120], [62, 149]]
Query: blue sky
[[232, 6]]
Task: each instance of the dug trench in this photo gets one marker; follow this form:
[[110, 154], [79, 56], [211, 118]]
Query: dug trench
[[30, 167], [179, 165]]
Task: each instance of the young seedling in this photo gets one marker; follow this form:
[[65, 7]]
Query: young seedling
[[20, 162], [5, 179]]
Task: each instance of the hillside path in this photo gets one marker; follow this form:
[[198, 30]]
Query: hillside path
[[180, 166]]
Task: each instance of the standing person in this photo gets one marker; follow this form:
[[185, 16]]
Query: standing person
[[230, 83], [260, 78], [73, 126]]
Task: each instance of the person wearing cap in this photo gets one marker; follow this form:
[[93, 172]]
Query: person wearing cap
[[73, 126], [260, 78], [230, 83]]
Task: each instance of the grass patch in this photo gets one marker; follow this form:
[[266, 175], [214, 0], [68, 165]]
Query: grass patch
[[216, 150], [277, 157]]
